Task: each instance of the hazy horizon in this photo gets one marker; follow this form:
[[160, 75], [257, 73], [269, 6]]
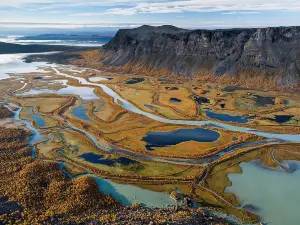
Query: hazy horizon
[[48, 16]]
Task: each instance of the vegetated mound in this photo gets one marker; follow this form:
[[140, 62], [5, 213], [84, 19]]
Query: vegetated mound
[[5, 112], [42, 187], [11, 138], [271, 53]]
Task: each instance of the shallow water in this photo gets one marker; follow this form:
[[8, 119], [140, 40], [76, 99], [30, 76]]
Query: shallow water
[[226, 117], [14, 63], [80, 112], [39, 120], [36, 137], [129, 194], [85, 93], [274, 194], [162, 139], [150, 106], [96, 79]]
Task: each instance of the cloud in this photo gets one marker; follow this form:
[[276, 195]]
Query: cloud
[[229, 13], [241, 12], [72, 25], [127, 7], [179, 6]]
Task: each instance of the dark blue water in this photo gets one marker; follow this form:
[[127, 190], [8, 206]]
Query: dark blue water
[[201, 100], [263, 100], [135, 80], [163, 139], [175, 100], [234, 88], [100, 159], [282, 118], [80, 112], [226, 117]]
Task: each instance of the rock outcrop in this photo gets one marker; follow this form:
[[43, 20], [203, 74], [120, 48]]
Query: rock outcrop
[[270, 52]]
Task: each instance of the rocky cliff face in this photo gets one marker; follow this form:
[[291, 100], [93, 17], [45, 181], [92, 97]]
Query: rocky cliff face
[[268, 52]]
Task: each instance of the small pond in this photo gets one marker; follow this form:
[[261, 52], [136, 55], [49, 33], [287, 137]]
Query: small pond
[[172, 88], [234, 88], [226, 117], [175, 100], [163, 139], [281, 118], [39, 120], [80, 112], [262, 101], [201, 100], [135, 80], [101, 159], [272, 194], [36, 118]]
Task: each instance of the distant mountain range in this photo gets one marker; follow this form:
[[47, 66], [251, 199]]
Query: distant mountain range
[[67, 39], [273, 53], [9, 48]]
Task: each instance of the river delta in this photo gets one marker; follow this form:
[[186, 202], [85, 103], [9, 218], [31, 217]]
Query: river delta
[[152, 143]]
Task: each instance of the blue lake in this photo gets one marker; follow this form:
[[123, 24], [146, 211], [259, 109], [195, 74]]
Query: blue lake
[[162, 139], [39, 120], [100, 159], [80, 112], [226, 117], [282, 118]]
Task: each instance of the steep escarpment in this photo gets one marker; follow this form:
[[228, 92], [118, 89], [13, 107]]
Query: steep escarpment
[[273, 53]]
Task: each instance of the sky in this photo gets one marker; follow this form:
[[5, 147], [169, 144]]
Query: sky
[[48, 15]]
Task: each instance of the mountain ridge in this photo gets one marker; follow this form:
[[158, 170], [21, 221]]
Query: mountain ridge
[[273, 53]]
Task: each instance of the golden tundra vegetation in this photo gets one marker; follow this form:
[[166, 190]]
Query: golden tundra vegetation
[[47, 195]]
